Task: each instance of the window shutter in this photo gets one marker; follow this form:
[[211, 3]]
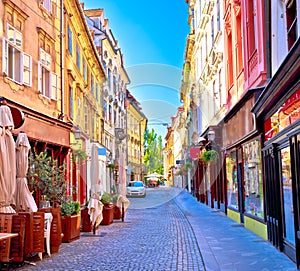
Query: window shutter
[[4, 56], [27, 69], [50, 94], [54, 86], [39, 77]]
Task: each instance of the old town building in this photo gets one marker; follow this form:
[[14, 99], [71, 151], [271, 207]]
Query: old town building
[[255, 178], [114, 96], [136, 127], [32, 74]]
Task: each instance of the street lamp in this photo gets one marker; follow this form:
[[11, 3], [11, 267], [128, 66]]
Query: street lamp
[[77, 133], [211, 135]]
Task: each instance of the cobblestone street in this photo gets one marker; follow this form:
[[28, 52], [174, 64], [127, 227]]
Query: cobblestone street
[[156, 238]]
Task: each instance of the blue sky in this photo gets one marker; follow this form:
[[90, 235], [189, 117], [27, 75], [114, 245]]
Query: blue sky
[[152, 36]]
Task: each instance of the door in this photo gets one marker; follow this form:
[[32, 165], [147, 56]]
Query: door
[[295, 166], [287, 191], [272, 196]]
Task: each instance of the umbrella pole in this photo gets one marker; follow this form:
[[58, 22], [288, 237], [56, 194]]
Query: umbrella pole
[[94, 228], [122, 211]]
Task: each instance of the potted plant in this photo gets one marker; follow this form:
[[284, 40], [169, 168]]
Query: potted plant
[[47, 178], [117, 209], [209, 156], [70, 212], [108, 209]]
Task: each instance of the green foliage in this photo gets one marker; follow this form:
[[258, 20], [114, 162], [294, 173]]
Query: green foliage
[[48, 176], [70, 208], [105, 199], [209, 156], [115, 198], [80, 155], [188, 165], [153, 155], [111, 165]]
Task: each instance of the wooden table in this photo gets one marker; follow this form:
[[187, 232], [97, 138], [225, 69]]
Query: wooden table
[[5, 236]]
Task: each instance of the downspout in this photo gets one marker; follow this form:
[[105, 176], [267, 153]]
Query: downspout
[[268, 31], [62, 58]]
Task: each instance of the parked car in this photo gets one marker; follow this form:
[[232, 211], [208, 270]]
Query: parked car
[[135, 188]]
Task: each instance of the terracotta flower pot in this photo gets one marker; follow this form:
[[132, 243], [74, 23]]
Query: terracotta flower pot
[[108, 214]]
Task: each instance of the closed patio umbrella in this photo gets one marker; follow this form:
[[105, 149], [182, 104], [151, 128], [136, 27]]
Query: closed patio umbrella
[[24, 200], [95, 205], [7, 159]]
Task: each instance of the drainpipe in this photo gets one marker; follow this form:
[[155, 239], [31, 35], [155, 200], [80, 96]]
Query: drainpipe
[[62, 56], [268, 31]]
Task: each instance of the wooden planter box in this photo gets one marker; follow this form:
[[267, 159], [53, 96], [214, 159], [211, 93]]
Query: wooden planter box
[[70, 228], [108, 214], [56, 231]]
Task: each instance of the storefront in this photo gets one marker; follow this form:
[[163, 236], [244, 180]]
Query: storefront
[[243, 166], [277, 110], [45, 134]]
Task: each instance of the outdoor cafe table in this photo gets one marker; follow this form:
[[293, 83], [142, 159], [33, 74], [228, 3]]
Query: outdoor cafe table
[[4, 236]]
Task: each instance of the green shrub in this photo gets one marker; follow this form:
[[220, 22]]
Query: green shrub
[[70, 208], [209, 156], [105, 199]]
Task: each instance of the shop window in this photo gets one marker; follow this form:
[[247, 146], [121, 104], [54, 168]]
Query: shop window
[[287, 194], [16, 64], [232, 180], [287, 114], [253, 185]]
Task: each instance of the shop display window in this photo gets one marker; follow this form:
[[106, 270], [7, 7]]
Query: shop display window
[[232, 180], [287, 114], [253, 185], [287, 193]]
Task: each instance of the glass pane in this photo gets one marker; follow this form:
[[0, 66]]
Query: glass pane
[[232, 184], [287, 195], [253, 179], [17, 65]]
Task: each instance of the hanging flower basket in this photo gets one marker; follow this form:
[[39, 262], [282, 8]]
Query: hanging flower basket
[[209, 156], [111, 165]]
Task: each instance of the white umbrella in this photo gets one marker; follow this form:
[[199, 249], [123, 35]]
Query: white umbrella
[[24, 200], [95, 208], [154, 175], [7, 159], [95, 205]]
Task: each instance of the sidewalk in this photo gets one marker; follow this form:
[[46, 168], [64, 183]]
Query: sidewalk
[[226, 245]]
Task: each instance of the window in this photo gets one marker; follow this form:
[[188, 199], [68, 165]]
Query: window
[[218, 15], [232, 180], [78, 57], [47, 81], [70, 42], [71, 105], [251, 27], [253, 179], [47, 5], [109, 78], [291, 22], [92, 84], [84, 70], [16, 64]]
